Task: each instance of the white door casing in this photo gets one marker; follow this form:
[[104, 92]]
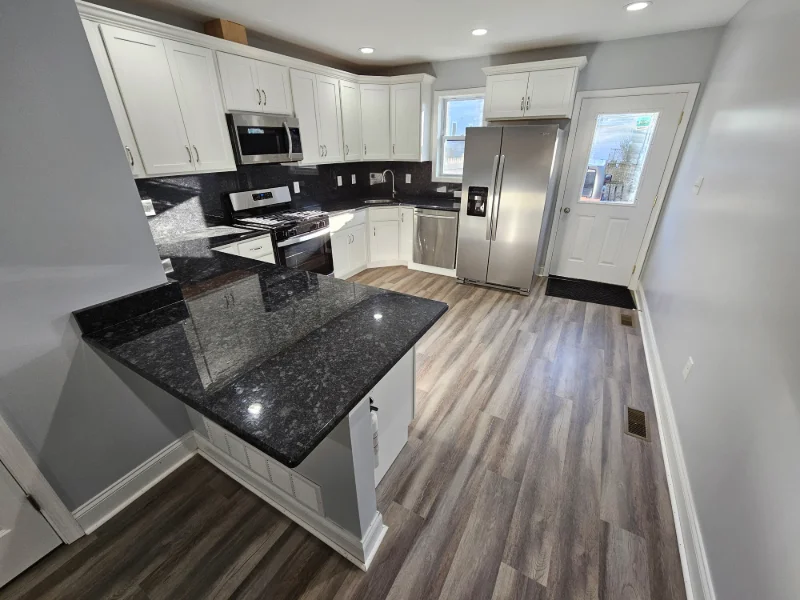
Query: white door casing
[[25, 535], [601, 240]]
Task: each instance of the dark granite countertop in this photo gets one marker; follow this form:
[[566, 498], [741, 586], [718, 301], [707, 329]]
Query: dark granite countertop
[[438, 203], [277, 356]]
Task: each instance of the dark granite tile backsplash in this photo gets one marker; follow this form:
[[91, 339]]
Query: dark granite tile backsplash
[[190, 202]]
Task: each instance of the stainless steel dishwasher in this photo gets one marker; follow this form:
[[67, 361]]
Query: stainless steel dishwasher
[[435, 237]]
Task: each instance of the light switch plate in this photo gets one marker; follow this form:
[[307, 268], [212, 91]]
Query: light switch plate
[[698, 184], [687, 368], [408, 177], [339, 180], [296, 187], [376, 178], [149, 210], [353, 178]]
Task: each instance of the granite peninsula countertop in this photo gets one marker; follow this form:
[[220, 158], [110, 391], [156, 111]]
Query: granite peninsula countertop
[[276, 356]]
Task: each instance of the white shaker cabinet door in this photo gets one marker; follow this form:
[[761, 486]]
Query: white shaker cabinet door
[[142, 72], [114, 99], [358, 247], [406, 234], [375, 130], [550, 93], [239, 83], [201, 106], [304, 92], [329, 119], [506, 96], [351, 119], [276, 91], [340, 248], [406, 107], [384, 241]]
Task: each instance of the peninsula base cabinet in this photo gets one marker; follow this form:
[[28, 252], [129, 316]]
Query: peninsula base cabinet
[[331, 493]]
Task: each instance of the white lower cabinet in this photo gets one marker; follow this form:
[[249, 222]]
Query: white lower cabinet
[[349, 247], [384, 241], [287, 480], [406, 234]]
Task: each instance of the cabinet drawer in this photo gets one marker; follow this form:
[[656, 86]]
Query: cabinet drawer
[[256, 248], [390, 213], [348, 219]]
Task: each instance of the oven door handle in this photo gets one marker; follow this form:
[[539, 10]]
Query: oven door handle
[[288, 136], [303, 238]]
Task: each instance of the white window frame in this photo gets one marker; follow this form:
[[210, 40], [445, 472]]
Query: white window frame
[[438, 135]]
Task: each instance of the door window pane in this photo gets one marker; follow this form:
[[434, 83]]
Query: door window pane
[[453, 159], [461, 114], [617, 157]]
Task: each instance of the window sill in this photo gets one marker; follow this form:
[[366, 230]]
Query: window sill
[[444, 179]]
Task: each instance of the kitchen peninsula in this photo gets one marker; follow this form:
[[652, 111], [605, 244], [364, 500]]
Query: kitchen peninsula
[[278, 369]]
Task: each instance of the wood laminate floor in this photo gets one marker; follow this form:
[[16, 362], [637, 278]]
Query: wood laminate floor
[[517, 482]]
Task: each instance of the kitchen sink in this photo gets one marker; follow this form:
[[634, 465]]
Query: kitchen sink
[[387, 201]]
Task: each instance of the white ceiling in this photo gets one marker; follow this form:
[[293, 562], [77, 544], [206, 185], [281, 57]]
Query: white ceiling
[[408, 31]]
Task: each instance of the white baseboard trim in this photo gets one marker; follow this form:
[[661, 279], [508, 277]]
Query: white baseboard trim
[[358, 551], [696, 571], [429, 269], [121, 493]]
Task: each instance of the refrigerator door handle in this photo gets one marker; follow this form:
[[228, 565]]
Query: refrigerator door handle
[[490, 208], [496, 196]]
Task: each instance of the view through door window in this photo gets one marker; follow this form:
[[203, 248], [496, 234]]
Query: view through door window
[[617, 157]]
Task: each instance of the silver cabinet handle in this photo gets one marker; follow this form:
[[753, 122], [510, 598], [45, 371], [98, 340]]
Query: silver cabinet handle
[[528, 105], [254, 249], [130, 154], [324, 150], [258, 91], [196, 152], [365, 148], [265, 96], [321, 153], [374, 232], [402, 217], [393, 146], [424, 216], [189, 152], [346, 149], [522, 103]]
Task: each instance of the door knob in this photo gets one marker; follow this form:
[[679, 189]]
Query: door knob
[[567, 209]]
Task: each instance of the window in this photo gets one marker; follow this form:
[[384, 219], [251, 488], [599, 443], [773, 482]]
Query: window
[[455, 111]]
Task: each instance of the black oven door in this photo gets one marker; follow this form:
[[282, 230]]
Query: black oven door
[[309, 252]]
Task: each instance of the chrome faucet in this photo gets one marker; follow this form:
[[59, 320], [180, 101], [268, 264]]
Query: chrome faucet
[[394, 193]]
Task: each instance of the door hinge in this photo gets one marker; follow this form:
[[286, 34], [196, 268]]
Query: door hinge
[[32, 501], [681, 119]]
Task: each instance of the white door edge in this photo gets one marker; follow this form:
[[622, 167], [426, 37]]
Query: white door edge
[[692, 90]]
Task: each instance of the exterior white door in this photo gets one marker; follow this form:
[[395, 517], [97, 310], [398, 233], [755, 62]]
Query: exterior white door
[[304, 92], [145, 82], [239, 83], [329, 113], [200, 100], [405, 111], [351, 119], [621, 149], [375, 121], [25, 535]]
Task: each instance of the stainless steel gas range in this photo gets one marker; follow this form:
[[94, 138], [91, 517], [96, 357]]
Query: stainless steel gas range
[[301, 238]]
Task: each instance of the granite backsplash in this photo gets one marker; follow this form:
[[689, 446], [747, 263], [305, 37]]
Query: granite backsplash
[[190, 202]]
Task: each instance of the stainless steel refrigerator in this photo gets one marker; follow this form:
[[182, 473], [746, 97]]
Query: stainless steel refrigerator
[[509, 183]]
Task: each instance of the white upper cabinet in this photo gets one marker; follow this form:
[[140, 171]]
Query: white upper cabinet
[[329, 119], [145, 82], [351, 120], [254, 86], [406, 110], [114, 99], [543, 89], [505, 96], [304, 92], [375, 129], [196, 84]]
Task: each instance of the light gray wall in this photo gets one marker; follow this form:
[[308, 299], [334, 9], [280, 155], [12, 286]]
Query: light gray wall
[[683, 57], [72, 234], [722, 286], [193, 21]]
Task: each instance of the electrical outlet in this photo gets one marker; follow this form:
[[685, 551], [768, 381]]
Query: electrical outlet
[[147, 205], [339, 180], [687, 368], [375, 178], [698, 184], [296, 187], [408, 177], [353, 178]]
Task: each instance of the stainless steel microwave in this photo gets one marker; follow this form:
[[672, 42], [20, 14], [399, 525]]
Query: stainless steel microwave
[[259, 138]]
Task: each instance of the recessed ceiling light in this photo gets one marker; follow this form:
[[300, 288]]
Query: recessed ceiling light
[[366, 50], [480, 31], [633, 7]]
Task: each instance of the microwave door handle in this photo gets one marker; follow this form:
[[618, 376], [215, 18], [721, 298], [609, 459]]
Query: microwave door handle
[[289, 136], [490, 208], [497, 195]]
